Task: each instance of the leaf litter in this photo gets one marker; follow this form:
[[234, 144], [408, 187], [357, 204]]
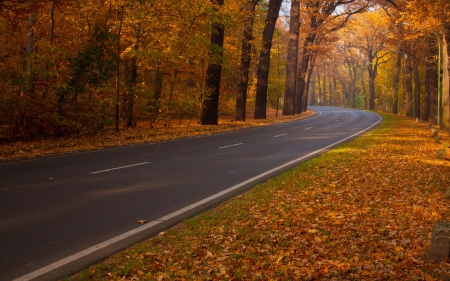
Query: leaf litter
[[362, 211]]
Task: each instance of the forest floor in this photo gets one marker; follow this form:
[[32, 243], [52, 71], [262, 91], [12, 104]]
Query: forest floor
[[142, 133], [362, 211]]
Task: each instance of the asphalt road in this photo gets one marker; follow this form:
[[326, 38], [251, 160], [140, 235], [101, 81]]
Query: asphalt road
[[61, 214]]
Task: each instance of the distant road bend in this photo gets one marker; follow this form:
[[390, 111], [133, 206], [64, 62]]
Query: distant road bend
[[60, 214]]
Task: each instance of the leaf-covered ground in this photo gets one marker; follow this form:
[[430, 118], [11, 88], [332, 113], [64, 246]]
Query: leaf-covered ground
[[142, 133], [363, 211]]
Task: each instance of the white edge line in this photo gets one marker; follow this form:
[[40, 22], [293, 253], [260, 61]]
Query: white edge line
[[230, 145], [125, 235], [84, 253], [308, 128], [118, 168]]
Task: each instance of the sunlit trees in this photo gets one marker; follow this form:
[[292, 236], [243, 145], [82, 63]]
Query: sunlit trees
[[85, 66]]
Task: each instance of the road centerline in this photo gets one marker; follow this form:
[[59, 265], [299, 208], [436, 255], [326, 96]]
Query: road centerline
[[277, 136], [236, 144], [118, 168]]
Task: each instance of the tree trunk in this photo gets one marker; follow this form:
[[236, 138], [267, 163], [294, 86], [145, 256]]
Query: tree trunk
[[210, 113], [29, 88], [157, 95], [334, 91], [131, 77], [120, 18], [415, 69], [247, 37], [396, 81], [344, 90], [446, 80], [292, 60], [408, 86], [352, 84], [264, 59], [313, 92], [301, 72], [325, 99], [371, 92], [319, 101], [364, 92], [304, 96], [51, 39], [431, 88]]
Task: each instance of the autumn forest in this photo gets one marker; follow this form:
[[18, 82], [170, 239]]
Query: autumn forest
[[85, 66]]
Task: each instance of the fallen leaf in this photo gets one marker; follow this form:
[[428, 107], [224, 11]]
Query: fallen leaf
[[279, 259]]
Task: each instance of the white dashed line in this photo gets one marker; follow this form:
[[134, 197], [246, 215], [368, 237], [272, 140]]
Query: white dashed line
[[279, 135], [230, 145], [118, 168]]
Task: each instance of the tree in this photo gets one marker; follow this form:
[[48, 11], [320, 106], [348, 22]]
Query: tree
[[264, 59], [210, 114], [370, 38], [247, 37], [396, 81], [433, 20], [292, 58]]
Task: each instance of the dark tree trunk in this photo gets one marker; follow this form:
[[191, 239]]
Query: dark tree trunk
[[372, 67], [330, 88], [334, 91], [210, 113], [313, 92], [344, 92], [302, 71], [157, 95], [408, 86], [431, 92], [304, 96], [29, 88], [130, 73], [120, 19], [247, 37], [131, 76], [264, 59], [372, 92], [415, 69], [292, 60], [319, 101], [364, 92], [396, 81], [352, 84]]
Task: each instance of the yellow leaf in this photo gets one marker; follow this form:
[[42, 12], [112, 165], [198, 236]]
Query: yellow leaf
[[312, 230], [399, 249], [279, 259]]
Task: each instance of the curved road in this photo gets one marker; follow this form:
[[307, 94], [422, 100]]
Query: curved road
[[61, 214]]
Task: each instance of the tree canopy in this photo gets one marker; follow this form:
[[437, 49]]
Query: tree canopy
[[71, 67]]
